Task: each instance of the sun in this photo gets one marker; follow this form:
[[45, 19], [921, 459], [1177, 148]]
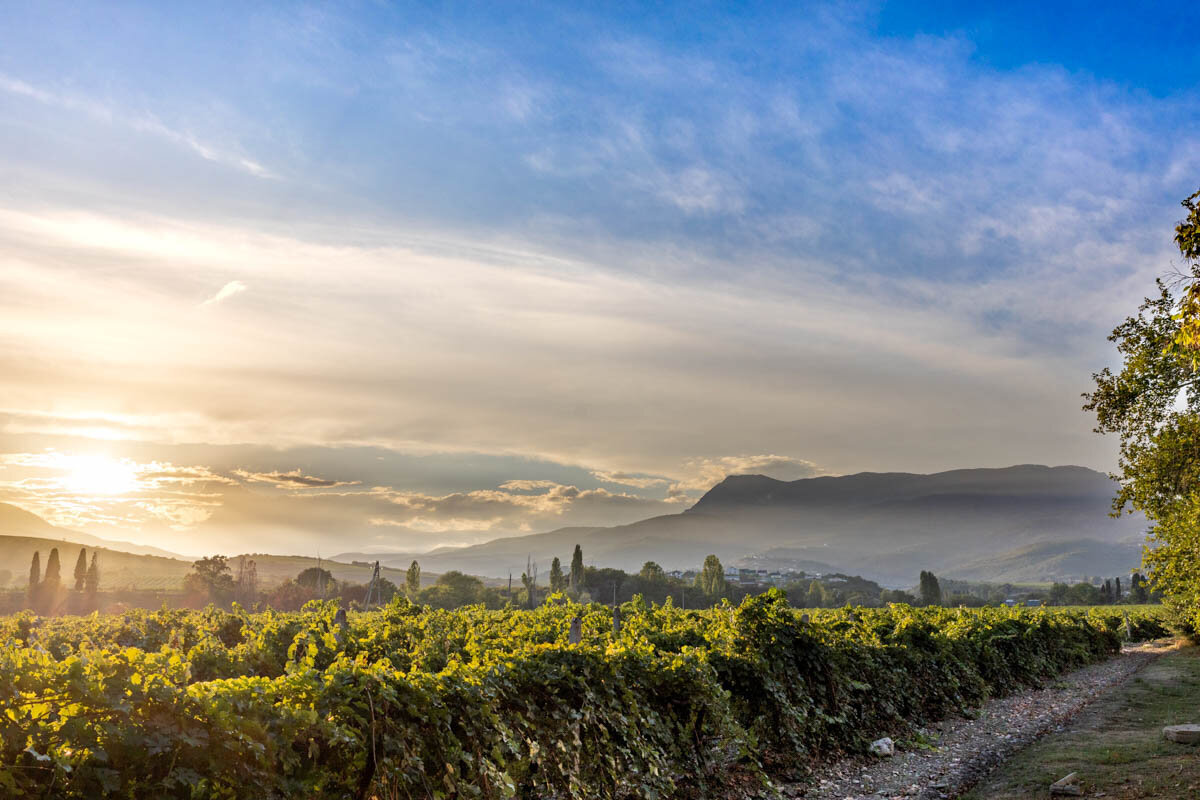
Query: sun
[[99, 475]]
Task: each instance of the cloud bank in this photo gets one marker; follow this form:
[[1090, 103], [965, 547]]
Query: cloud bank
[[575, 272]]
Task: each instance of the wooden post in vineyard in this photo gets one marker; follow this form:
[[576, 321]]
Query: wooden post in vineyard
[[374, 589]]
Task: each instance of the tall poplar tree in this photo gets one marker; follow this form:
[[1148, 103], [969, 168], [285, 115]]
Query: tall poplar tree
[[91, 584], [711, 579], [35, 579], [81, 567], [412, 581], [931, 590], [51, 583], [576, 569]]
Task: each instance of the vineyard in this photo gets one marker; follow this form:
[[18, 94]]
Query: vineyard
[[411, 702]]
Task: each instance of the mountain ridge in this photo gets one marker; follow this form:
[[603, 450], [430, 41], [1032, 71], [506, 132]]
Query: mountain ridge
[[887, 526], [16, 521]]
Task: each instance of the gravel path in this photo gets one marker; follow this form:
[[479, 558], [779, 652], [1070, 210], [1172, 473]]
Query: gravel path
[[967, 749]]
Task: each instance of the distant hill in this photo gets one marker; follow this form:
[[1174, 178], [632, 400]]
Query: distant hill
[[977, 523], [121, 570], [124, 565], [118, 570], [16, 521], [1052, 561]]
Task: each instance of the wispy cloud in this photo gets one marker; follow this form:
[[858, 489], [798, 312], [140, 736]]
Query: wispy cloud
[[704, 473], [225, 292], [627, 479], [294, 479], [144, 122]]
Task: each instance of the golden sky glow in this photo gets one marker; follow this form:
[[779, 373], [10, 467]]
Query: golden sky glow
[[392, 287], [87, 475]]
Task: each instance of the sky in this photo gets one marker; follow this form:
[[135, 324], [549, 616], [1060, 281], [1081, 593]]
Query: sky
[[315, 278]]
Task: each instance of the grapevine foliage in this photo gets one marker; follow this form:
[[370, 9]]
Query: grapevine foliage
[[418, 703]]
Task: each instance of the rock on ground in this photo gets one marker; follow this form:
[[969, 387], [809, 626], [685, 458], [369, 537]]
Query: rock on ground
[[1184, 734]]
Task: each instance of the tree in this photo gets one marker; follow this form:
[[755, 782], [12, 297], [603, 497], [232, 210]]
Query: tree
[[558, 581], [1083, 594], [53, 569], [453, 590], [1153, 405], [35, 579], [815, 597], [412, 581], [896, 596], [290, 595], [652, 573], [51, 585], [576, 569], [210, 580], [604, 583], [711, 580], [930, 589], [91, 582], [81, 569], [318, 579], [1058, 594], [529, 581], [1138, 593]]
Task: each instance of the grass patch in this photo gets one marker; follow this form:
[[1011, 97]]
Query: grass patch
[[1116, 745]]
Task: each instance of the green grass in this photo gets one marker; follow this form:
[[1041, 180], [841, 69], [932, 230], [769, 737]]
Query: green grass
[[1116, 745]]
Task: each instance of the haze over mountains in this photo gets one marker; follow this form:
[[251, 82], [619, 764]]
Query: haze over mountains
[[1021, 523], [16, 521], [1017, 524], [125, 565]]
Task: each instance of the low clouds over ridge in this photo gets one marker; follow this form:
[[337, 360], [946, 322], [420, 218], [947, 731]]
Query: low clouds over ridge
[[506, 277], [193, 508]]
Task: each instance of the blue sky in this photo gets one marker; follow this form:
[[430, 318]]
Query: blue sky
[[620, 250]]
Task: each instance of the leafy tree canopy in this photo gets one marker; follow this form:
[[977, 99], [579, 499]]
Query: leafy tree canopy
[[1153, 405], [316, 578]]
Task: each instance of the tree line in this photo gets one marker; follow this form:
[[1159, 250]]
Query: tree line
[[221, 581], [48, 594]]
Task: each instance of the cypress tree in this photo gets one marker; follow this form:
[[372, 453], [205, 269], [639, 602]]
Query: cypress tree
[[51, 583], [91, 583], [576, 569], [81, 569], [931, 591], [35, 578], [53, 569]]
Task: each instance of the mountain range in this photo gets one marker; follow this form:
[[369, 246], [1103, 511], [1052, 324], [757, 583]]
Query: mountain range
[[1026, 523], [1017, 524]]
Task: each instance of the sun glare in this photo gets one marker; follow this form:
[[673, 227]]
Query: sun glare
[[100, 475]]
